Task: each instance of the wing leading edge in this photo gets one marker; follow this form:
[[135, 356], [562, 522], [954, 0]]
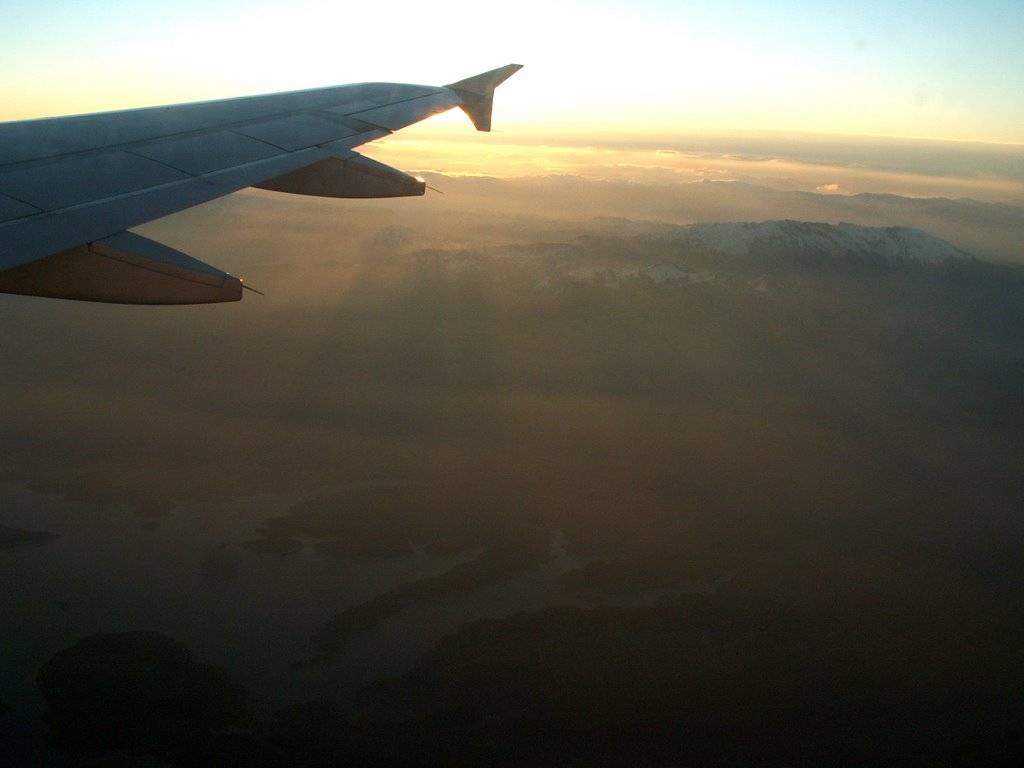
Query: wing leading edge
[[70, 187]]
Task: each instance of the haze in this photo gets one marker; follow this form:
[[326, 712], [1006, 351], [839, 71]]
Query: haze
[[477, 405], [530, 470]]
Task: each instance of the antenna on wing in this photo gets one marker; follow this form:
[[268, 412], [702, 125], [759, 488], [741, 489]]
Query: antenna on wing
[[261, 293]]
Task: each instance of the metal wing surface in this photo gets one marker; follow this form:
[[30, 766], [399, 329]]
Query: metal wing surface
[[70, 187]]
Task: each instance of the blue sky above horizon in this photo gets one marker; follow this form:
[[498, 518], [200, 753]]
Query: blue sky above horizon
[[924, 69]]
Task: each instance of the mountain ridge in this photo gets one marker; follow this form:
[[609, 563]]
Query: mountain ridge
[[785, 239]]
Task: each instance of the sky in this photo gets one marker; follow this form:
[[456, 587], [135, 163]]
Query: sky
[[843, 450], [917, 68]]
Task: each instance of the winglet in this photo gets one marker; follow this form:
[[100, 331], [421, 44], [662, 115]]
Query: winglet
[[477, 93]]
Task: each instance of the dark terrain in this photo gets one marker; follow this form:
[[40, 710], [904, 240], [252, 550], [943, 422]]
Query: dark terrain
[[775, 499]]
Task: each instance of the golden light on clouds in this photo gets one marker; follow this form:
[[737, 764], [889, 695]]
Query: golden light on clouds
[[789, 163]]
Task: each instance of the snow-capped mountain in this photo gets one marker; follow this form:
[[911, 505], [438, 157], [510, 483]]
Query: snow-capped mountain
[[659, 274], [747, 256], [758, 257], [798, 241]]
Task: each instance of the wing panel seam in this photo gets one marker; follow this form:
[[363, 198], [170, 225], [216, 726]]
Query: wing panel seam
[[226, 126], [207, 178]]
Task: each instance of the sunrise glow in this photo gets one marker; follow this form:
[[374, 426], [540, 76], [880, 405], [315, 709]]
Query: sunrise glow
[[911, 70]]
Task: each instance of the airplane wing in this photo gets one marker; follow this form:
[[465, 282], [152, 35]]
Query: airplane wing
[[71, 187]]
